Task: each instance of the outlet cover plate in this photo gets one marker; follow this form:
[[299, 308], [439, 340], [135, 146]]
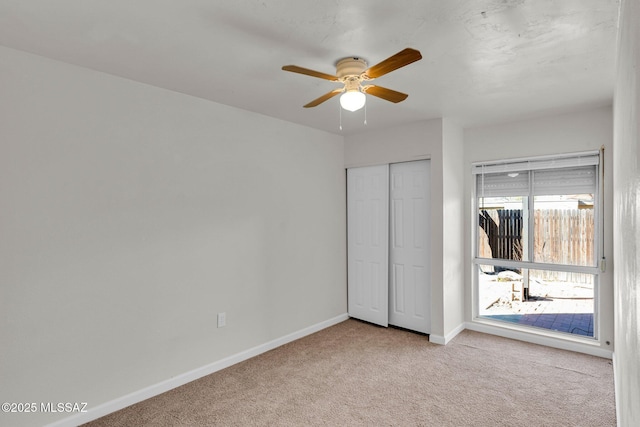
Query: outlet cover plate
[[222, 319]]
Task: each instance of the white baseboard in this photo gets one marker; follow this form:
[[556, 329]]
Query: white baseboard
[[161, 387], [444, 340], [616, 395]]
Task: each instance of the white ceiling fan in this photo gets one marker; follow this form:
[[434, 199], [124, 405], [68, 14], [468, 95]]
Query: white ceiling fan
[[352, 72]]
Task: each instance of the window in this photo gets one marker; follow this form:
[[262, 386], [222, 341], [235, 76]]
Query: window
[[536, 251]]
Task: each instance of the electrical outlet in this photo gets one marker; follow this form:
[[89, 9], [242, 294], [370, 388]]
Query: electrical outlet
[[222, 319]]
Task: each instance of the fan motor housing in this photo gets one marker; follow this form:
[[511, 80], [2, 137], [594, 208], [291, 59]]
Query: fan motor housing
[[348, 67]]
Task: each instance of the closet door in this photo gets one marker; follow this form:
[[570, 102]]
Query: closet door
[[368, 243], [409, 255]]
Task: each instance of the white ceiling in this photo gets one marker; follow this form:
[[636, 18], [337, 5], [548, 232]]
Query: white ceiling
[[484, 61]]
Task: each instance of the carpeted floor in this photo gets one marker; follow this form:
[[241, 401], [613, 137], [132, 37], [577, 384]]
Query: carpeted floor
[[357, 374]]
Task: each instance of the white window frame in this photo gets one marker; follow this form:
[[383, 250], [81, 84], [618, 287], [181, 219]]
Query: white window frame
[[533, 163]]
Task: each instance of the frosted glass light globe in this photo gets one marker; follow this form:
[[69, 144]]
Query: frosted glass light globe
[[352, 100]]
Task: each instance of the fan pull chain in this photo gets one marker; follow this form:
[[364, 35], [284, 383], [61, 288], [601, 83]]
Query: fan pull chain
[[340, 109], [365, 114]]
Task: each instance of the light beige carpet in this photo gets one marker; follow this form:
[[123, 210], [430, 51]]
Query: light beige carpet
[[357, 374]]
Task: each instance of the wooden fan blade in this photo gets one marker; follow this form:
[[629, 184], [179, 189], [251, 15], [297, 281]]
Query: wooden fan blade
[[323, 98], [384, 93], [394, 62], [308, 72]]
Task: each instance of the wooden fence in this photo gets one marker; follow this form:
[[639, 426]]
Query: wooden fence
[[508, 243], [560, 237]]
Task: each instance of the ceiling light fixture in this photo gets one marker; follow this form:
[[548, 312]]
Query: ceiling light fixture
[[352, 72], [352, 100]]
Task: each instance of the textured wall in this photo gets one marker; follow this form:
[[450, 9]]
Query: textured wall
[[132, 215], [627, 215]]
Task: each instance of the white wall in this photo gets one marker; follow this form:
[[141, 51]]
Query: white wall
[[453, 222], [575, 132], [413, 141], [132, 215], [427, 140], [626, 208]]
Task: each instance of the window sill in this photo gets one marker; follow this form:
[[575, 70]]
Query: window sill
[[548, 338]]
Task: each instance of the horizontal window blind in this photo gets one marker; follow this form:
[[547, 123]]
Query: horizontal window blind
[[516, 165], [541, 176], [503, 184], [580, 180]]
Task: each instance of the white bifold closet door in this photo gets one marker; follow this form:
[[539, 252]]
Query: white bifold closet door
[[388, 244], [409, 254], [368, 243]]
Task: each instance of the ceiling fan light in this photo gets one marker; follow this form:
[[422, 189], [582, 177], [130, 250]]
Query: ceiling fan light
[[352, 100]]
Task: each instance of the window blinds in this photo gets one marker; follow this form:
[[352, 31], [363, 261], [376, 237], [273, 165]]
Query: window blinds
[[576, 174], [503, 184], [580, 180]]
